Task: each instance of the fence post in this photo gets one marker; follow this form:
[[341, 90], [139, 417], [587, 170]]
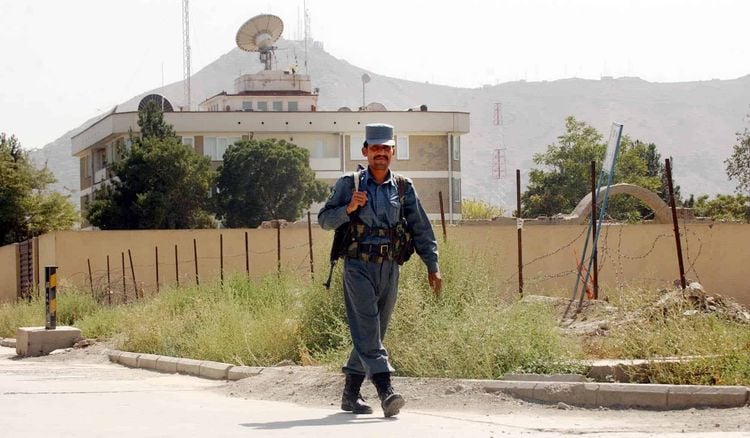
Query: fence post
[[132, 272], [668, 168], [124, 290], [176, 266], [442, 217], [247, 256], [195, 256], [91, 279], [309, 240], [221, 257], [50, 297], [519, 227], [109, 284], [594, 252], [156, 251], [278, 246]]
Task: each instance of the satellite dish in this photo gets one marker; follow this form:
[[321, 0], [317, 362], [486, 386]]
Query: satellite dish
[[345, 109], [160, 101], [258, 35], [375, 106]]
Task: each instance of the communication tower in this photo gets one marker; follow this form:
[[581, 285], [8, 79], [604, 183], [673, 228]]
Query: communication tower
[[499, 161]]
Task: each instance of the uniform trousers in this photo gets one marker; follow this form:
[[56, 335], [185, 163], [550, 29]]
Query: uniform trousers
[[370, 291]]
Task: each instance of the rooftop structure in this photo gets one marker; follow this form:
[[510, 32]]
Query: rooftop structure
[[284, 105]]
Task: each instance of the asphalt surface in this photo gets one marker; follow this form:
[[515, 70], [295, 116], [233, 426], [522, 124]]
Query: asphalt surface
[[64, 396]]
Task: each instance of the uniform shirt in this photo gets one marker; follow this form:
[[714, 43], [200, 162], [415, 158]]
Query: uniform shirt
[[382, 210]]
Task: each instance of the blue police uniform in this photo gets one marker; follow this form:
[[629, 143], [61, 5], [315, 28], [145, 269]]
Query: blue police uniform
[[370, 288]]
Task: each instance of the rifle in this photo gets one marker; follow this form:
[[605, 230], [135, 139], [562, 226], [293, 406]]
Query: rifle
[[342, 235]]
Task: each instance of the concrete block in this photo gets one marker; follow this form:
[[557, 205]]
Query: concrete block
[[632, 395], [545, 378], [114, 355], [147, 361], [128, 359], [524, 390], [695, 396], [214, 370], [240, 372], [189, 366], [8, 342], [166, 364], [37, 341], [577, 394]]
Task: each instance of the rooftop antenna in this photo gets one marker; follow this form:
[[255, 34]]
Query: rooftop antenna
[[186, 50], [365, 79], [258, 34], [307, 30]]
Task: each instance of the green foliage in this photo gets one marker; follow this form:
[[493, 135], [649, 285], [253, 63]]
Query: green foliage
[[160, 183], [724, 207], [564, 176], [263, 180], [27, 207], [476, 209], [738, 165]]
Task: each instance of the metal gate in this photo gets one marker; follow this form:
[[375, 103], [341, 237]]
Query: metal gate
[[26, 269]]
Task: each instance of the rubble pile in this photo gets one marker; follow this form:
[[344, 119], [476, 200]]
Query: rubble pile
[[694, 300]]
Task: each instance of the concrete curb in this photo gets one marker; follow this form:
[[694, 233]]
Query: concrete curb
[[8, 342], [173, 365], [583, 394], [624, 395]]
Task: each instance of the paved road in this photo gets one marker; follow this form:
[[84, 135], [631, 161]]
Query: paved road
[[56, 397]]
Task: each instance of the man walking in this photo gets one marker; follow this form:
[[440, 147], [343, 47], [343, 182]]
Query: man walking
[[374, 212]]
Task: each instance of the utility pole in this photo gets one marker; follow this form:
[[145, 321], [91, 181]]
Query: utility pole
[[186, 51]]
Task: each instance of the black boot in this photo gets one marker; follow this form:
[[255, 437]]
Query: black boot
[[391, 401], [351, 400]]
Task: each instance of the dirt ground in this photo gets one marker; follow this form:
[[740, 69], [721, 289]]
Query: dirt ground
[[319, 387]]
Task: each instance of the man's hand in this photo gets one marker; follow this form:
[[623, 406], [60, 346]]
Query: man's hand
[[436, 282], [359, 199]]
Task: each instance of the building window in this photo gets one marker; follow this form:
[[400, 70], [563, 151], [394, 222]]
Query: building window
[[321, 149], [215, 147], [457, 190], [456, 147], [247, 105], [188, 141], [402, 147], [278, 105], [355, 148], [262, 106], [292, 106]]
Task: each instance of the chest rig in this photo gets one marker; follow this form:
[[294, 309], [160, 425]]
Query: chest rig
[[399, 237]]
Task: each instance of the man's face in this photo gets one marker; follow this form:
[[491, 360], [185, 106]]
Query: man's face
[[379, 156]]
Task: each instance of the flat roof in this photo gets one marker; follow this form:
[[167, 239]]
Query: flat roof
[[277, 122]]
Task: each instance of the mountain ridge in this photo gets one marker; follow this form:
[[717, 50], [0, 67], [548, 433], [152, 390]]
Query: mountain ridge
[[694, 122]]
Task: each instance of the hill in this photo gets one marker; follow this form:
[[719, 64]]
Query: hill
[[694, 122]]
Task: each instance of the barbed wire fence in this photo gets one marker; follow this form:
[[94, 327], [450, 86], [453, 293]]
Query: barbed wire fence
[[122, 280]]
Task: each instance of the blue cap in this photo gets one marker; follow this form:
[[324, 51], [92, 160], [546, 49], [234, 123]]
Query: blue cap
[[379, 133]]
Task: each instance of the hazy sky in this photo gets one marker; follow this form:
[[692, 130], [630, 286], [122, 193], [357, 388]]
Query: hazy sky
[[62, 62]]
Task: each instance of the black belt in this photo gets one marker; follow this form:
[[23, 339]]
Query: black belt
[[382, 249]]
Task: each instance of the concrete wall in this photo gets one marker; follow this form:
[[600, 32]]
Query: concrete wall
[[630, 255], [8, 273]]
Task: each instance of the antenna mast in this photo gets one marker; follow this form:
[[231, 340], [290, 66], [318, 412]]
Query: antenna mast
[[186, 50], [499, 169], [307, 31]]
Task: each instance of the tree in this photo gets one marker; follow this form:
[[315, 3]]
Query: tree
[[27, 207], [263, 180], [738, 165], [477, 209], [565, 176], [159, 183], [724, 207]]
